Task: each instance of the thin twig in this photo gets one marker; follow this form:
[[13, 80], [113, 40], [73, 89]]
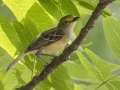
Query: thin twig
[[107, 81]]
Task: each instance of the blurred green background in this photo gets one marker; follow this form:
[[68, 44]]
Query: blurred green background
[[96, 35]]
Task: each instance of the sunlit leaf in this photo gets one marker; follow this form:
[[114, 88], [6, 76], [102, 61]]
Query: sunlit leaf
[[30, 28], [8, 36], [111, 28], [45, 85], [10, 80], [60, 84], [77, 71], [21, 33], [5, 58], [117, 1], [98, 67], [61, 73], [59, 79], [19, 7], [76, 87], [52, 7], [113, 85], [87, 7], [61, 8], [40, 17], [1, 86]]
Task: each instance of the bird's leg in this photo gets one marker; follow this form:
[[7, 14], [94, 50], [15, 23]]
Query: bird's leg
[[41, 58]]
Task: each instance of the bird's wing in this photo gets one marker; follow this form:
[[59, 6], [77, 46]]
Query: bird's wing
[[46, 38]]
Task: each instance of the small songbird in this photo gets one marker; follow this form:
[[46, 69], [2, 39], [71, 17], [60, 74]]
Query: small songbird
[[50, 41]]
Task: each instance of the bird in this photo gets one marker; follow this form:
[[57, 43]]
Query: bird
[[50, 40]]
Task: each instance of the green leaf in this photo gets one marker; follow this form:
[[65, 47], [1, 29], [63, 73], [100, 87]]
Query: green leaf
[[60, 8], [5, 58], [59, 79], [22, 33], [61, 84], [111, 28], [8, 36], [87, 7], [1, 86], [15, 78], [61, 72], [26, 32], [93, 87], [68, 7], [94, 70], [19, 78], [113, 85], [44, 85], [117, 1], [40, 17], [19, 7], [30, 28], [77, 71], [97, 67], [52, 7], [76, 87]]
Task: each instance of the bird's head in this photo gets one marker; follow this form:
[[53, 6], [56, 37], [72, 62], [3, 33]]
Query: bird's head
[[67, 22]]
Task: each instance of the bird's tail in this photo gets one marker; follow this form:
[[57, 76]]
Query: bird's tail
[[15, 61]]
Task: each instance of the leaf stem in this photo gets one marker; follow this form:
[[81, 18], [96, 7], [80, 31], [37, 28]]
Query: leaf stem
[[107, 81]]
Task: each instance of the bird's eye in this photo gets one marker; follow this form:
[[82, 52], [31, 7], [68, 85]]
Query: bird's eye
[[66, 22]]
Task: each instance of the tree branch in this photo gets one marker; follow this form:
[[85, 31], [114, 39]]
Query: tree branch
[[69, 50]]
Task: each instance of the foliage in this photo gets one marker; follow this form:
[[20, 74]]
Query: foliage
[[84, 71]]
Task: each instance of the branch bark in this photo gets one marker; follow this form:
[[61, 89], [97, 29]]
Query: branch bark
[[69, 50]]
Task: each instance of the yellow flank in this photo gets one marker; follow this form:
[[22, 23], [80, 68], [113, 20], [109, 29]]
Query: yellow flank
[[55, 46]]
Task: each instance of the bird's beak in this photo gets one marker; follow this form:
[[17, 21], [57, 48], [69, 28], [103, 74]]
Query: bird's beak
[[75, 19]]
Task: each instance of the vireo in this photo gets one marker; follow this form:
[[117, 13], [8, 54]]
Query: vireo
[[51, 40]]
